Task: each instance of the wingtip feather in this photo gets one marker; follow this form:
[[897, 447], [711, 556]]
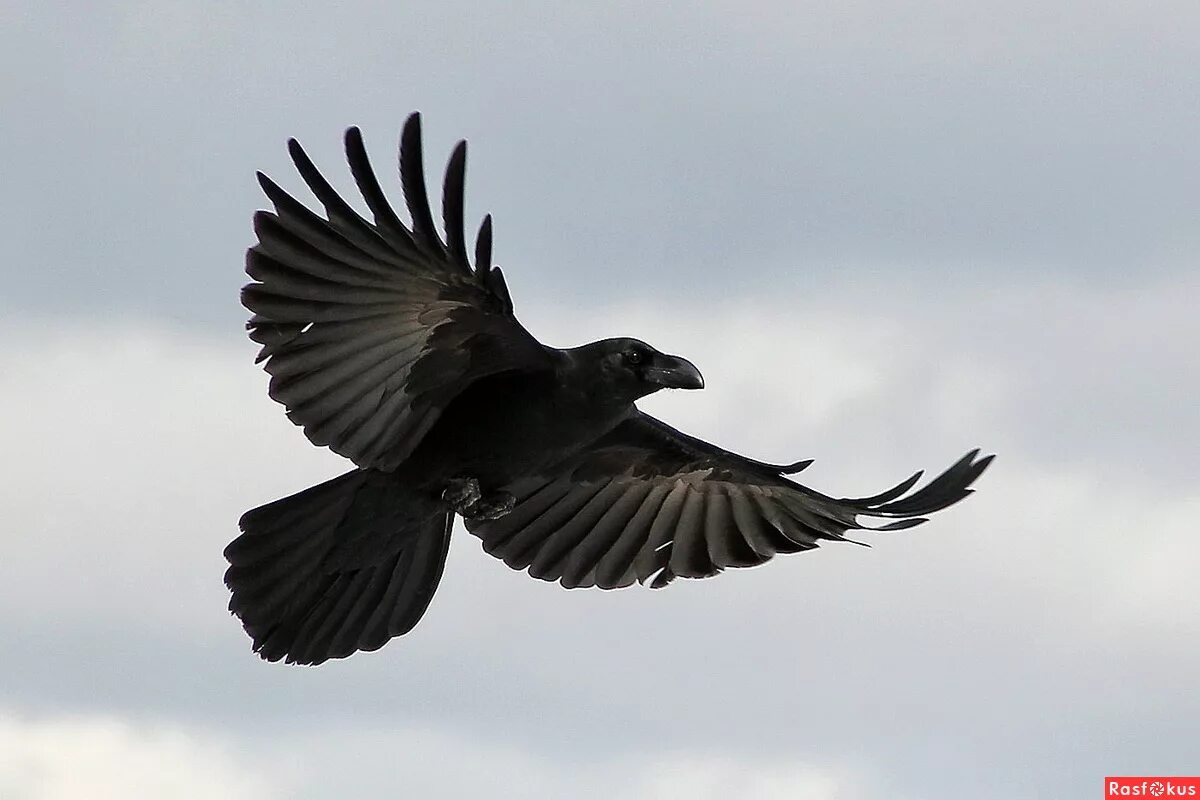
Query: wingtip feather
[[412, 179], [453, 201], [483, 247]]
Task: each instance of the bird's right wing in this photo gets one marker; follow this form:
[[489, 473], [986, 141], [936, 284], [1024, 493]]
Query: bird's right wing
[[649, 503], [369, 329]]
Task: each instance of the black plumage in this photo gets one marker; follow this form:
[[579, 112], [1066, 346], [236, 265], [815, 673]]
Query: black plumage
[[387, 345]]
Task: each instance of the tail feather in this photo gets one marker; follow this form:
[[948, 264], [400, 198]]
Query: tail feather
[[340, 567]]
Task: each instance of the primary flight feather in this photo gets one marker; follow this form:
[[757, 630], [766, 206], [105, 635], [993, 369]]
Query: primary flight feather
[[386, 344]]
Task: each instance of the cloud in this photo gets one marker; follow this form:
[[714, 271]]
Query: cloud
[[715, 778], [1054, 603], [353, 762], [885, 232], [109, 758], [719, 141]]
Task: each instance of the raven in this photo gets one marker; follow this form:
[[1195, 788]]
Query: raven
[[385, 345]]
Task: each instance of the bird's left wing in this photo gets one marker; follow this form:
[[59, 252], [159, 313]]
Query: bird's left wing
[[370, 328], [649, 503]]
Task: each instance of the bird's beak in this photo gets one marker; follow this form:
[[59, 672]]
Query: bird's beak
[[673, 372]]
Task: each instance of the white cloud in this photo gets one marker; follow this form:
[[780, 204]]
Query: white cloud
[[355, 762], [899, 189], [715, 778], [115, 437], [107, 758], [1063, 584]]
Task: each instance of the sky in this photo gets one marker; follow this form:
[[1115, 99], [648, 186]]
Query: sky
[[886, 232]]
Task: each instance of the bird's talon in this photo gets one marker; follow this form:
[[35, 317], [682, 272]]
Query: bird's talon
[[462, 494], [493, 506]]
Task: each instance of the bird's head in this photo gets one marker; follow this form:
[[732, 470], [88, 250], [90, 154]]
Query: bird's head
[[635, 369]]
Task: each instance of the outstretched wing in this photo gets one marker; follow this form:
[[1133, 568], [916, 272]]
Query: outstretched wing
[[648, 503], [369, 329]]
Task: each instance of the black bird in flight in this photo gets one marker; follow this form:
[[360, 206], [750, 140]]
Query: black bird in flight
[[386, 345]]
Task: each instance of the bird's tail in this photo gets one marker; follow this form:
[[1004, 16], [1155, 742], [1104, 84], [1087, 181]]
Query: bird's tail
[[342, 566]]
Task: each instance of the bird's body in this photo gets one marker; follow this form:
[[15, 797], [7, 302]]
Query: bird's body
[[509, 426], [387, 346]]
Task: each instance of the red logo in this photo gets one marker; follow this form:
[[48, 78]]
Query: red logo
[[1144, 786]]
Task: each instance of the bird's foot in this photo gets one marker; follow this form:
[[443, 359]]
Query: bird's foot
[[494, 506], [466, 498], [462, 494]]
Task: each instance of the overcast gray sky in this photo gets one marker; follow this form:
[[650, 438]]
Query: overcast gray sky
[[886, 232]]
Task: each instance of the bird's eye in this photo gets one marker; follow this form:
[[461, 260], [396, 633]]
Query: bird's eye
[[635, 357]]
